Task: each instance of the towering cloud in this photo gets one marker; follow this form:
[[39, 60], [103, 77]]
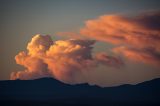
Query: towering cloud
[[32, 60], [140, 35], [65, 60]]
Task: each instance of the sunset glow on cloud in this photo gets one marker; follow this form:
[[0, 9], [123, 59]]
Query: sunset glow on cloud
[[140, 35], [135, 38], [65, 60]]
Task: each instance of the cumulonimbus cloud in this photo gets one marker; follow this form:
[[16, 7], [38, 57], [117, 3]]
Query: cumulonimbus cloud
[[65, 60], [140, 35]]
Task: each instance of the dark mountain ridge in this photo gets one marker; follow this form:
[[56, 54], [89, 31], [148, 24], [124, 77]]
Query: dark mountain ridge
[[51, 91]]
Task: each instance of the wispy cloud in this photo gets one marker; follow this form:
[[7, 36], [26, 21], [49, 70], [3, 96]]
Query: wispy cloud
[[140, 35]]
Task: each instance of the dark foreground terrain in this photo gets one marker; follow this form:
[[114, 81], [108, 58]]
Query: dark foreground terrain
[[49, 92]]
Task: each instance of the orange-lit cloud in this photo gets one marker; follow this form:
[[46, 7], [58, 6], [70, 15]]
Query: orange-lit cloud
[[148, 56], [140, 32], [65, 60], [105, 59], [32, 60]]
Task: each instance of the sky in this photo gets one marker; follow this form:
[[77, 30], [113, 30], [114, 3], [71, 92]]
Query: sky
[[22, 19]]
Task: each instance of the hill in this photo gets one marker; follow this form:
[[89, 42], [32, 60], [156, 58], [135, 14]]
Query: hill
[[48, 91]]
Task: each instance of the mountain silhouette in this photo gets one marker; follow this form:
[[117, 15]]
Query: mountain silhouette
[[48, 91]]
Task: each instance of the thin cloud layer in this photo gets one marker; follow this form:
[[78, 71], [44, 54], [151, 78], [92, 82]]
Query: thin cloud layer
[[65, 60], [148, 56], [139, 32], [103, 58]]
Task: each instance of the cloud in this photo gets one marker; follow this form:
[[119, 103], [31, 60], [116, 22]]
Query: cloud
[[65, 60], [112, 61], [149, 56], [33, 59], [71, 61], [39, 44], [139, 34]]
